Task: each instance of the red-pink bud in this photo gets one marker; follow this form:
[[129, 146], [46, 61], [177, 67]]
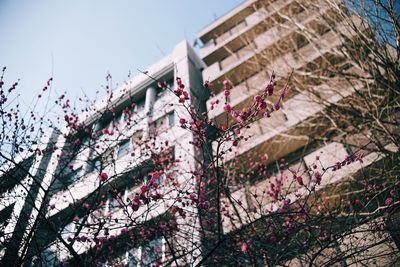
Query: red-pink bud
[[226, 83], [244, 247], [257, 98], [103, 176], [227, 108]]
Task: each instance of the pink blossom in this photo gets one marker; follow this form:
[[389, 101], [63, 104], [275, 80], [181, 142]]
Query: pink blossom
[[389, 201], [244, 247], [226, 83], [227, 108], [257, 98], [103, 177]]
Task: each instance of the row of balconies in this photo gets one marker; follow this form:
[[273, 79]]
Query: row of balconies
[[284, 131], [241, 64], [254, 199], [262, 18], [87, 177], [114, 154], [283, 66]]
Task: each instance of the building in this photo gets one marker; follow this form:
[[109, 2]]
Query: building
[[122, 183], [301, 42], [119, 152], [22, 181]]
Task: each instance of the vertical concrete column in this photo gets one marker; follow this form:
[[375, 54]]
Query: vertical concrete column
[[148, 107], [150, 99]]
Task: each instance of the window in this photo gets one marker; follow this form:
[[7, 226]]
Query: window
[[108, 156], [132, 257], [139, 104], [77, 174], [114, 200], [147, 255], [152, 252], [94, 165], [103, 126], [171, 118], [72, 227], [123, 148], [300, 40], [69, 228], [160, 125], [112, 203], [159, 180]]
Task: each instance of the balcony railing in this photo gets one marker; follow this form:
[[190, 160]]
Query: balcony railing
[[279, 136], [249, 23], [265, 42], [282, 66]]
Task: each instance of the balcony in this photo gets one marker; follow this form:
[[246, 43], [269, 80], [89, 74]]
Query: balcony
[[254, 197], [244, 60], [248, 28], [226, 21], [288, 129], [89, 182], [283, 66]]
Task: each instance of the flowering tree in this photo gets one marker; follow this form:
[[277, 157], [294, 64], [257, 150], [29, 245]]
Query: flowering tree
[[148, 206]]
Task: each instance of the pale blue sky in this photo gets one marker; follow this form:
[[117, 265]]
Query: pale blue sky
[[78, 42]]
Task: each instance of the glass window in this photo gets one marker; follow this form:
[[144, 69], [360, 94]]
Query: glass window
[[152, 252], [108, 156], [139, 104], [171, 118], [79, 174], [159, 180], [94, 165], [123, 148], [160, 125], [147, 255], [69, 228]]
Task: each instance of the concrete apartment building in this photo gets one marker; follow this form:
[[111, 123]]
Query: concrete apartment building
[[244, 46], [114, 143], [300, 41]]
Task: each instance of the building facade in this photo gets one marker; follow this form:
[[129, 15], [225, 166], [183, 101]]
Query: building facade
[[301, 42], [22, 179], [124, 175], [119, 159]]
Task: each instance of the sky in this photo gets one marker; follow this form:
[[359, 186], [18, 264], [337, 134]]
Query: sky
[[78, 42]]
